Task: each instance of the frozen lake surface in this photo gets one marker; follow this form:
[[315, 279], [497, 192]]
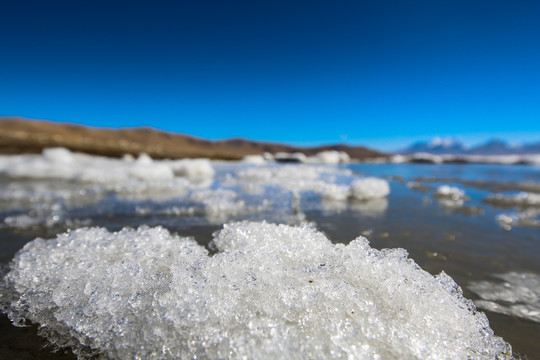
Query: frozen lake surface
[[477, 223]]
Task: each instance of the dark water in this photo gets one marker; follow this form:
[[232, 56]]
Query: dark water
[[465, 240]]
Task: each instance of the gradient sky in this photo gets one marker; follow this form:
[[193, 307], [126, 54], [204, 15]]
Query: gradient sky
[[378, 73]]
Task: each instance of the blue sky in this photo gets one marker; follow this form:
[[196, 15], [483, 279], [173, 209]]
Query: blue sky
[[378, 73]]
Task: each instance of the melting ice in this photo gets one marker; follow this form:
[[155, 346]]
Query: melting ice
[[271, 291], [516, 294], [521, 199], [59, 188]]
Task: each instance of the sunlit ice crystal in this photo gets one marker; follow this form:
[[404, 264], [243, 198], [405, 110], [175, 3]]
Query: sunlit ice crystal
[[270, 291]]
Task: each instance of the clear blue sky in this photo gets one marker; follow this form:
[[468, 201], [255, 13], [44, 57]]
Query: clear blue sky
[[379, 73]]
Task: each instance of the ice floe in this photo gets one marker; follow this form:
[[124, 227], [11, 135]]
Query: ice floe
[[532, 159], [521, 199], [527, 218], [450, 197], [323, 157], [27, 193], [61, 163], [330, 157], [331, 183], [193, 169], [255, 159], [52, 189], [514, 294], [415, 185], [271, 291], [450, 192], [369, 188]]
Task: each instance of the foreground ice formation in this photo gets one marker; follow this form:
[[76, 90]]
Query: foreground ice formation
[[271, 291], [514, 294]]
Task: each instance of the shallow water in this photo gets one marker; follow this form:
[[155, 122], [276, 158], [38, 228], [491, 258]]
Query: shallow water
[[465, 237]]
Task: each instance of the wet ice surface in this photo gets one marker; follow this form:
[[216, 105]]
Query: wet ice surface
[[270, 292], [86, 187], [394, 206], [515, 294]]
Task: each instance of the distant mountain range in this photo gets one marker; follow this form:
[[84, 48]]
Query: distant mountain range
[[440, 146], [19, 135]]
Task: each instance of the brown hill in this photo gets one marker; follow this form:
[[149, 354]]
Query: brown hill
[[18, 135]]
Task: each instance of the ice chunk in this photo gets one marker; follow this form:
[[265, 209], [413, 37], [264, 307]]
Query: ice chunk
[[284, 157], [450, 197], [145, 169], [128, 178], [144, 159], [330, 157], [272, 291], [221, 204], [254, 159], [48, 219], [415, 185], [528, 218], [450, 192], [152, 190], [294, 177], [335, 192], [332, 185], [369, 188], [194, 169], [63, 164], [399, 159], [23, 194], [522, 199], [515, 294], [58, 155]]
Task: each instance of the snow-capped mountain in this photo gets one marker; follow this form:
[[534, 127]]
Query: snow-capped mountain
[[438, 146], [494, 147]]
